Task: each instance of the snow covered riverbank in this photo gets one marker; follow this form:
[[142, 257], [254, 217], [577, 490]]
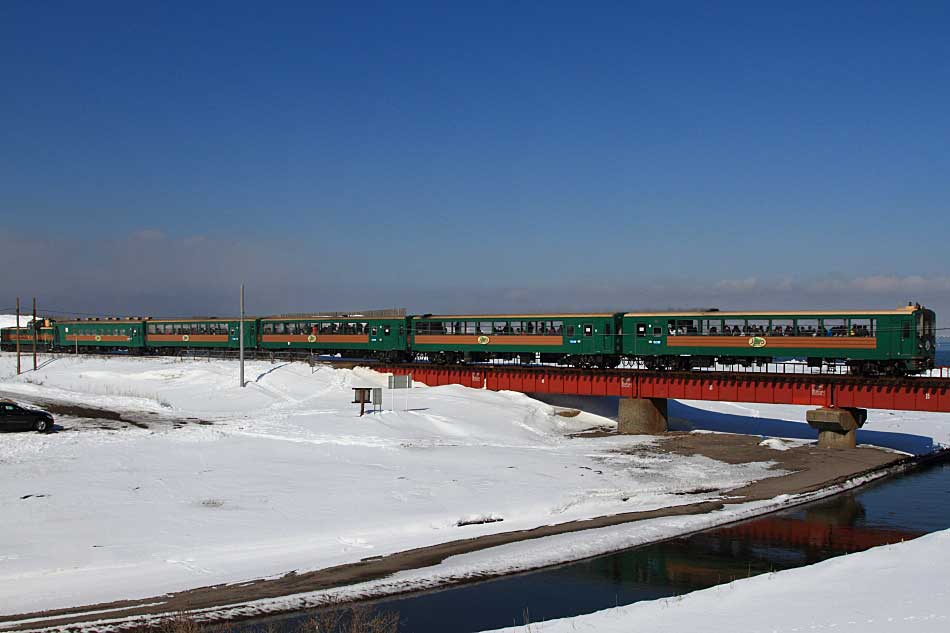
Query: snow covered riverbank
[[288, 477], [893, 588]]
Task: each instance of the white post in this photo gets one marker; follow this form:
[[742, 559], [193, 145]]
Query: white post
[[241, 335]]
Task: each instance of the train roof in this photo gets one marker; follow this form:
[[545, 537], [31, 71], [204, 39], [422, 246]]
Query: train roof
[[557, 315], [103, 320], [197, 319], [340, 317], [712, 314]]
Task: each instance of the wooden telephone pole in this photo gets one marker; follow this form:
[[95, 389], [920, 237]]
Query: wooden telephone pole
[[34, 334], [18, 336], [241, 335]]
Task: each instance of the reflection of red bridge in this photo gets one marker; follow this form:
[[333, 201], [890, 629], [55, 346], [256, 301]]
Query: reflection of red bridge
[[822, 390], [813, 534]]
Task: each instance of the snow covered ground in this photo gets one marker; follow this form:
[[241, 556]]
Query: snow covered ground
[[9, 320], [914, 432], [288, 477], [902, 587]]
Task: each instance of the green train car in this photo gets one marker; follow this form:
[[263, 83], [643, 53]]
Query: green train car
[[869, 342], [173, 335], [385, 338], [90, 335], [45, 337], [584, 340]]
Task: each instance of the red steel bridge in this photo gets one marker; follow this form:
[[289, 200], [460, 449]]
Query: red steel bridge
[[931, 393]]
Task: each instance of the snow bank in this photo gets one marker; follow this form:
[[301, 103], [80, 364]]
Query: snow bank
[[289, 477], [902, 587], [9, 320]]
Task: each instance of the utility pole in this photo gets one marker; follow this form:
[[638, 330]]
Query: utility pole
[[18, 336], [241, 335], [34, 334]]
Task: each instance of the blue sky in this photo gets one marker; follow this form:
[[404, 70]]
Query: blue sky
[[490, 155]]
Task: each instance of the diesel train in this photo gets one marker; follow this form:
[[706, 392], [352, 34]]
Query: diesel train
[[869, 342]]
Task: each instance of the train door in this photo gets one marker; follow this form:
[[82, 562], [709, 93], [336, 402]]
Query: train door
[[587, 338], [648, 336]]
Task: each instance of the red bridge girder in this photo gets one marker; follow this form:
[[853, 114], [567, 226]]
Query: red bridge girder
[[904, 394], [783, 531]]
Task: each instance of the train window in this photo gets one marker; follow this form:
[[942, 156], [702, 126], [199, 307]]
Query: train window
[[279, 328], [588, 329], [756, 327], [557, 327], [500, 327], [152, 328], [806, 327], [781, 327], [267, 328], [733, 327], [607, 328], [641, 330], [905, 330], [470, 327], [570, 330], [711, 327], [657, 331], [861, 327], [834, 327]]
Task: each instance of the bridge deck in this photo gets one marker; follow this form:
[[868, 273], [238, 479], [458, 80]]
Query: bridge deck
[[820, 390]]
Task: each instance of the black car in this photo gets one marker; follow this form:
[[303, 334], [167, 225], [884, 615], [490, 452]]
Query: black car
[[14, 417]]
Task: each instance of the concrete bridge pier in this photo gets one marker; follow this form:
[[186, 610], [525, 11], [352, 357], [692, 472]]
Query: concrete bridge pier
[[837, 427], [642, 416]]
